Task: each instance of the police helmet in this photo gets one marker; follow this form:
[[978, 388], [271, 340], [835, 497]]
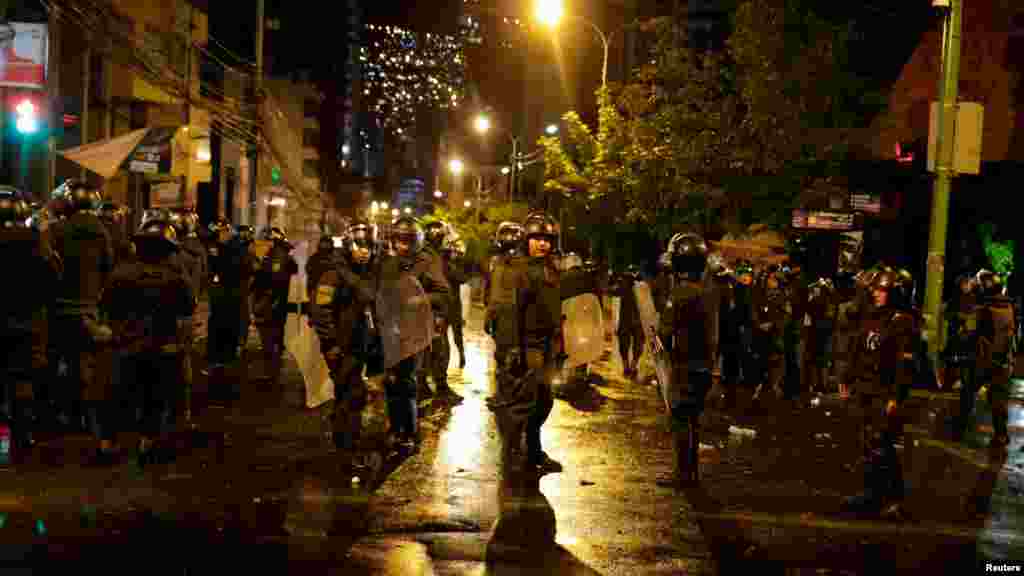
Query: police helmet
[[744, 268], [689, 255], [540, 225], [218, 226], [899, 284], [633, 271], [185, 221], [150, 214], [245, 233], [436, 232], [15, 211], [508, 236], [75, 195], [989, 284], [408, 229], [360, 233], [276, 235], [160, 232], [325, 244]]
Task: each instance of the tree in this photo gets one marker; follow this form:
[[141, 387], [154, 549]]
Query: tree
[[734, 135], [477, 228]]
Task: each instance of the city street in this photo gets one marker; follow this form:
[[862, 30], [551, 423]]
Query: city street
[[258, 485]]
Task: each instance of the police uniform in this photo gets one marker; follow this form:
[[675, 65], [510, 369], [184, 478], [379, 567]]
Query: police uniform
[[270, 302], [629, 331], [997, 348], [524, 401], [87, 254], [342, 314], [882, 375], [24, 305], [440, 351], [686, 328], [455, 269], [148, 301]]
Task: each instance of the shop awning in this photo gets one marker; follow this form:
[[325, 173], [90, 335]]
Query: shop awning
[[106, 157]]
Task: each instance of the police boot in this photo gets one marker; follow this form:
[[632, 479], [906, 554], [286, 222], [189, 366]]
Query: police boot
[[684, 473], [879, 484]]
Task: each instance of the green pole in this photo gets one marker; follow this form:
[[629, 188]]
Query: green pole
[[944, 144]]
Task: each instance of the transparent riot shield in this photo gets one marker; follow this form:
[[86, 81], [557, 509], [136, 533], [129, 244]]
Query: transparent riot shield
[[662, 365]]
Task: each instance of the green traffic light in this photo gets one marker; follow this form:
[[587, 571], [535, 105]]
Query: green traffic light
[[275, 175]]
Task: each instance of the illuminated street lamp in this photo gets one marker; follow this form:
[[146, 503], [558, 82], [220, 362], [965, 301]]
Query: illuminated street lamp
[[383, 205], [482, 124], [467, 203], [549, 12], [408, 210], [456, 166], [437, 194], [505, 170], [394, 212], [552, 129]]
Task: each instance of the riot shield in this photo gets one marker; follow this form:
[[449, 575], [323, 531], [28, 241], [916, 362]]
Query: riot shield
[[662, 364], [583, 330], [406, 320], [302, 341]]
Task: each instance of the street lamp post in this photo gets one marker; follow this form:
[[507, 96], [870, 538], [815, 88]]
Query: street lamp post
[[550, 13]]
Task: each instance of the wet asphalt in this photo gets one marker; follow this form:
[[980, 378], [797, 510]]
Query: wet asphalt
[[259, 483]]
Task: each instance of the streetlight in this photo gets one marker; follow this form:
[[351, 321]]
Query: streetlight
[[550, 13], [408, 210], [437, 194], [394, 212], [505, 170], [552, 129], [467, 203], [383, 205], [482, 124], [456, 166]]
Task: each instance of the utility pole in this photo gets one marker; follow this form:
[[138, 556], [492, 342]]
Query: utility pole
[[53, 97], [945, 139], [261, 26]]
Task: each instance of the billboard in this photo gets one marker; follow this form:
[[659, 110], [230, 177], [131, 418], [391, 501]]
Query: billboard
[[23, 54]]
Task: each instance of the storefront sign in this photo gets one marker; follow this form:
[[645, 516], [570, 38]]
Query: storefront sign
[[23, 54], [866, 203], [153, 154], [819, 220]]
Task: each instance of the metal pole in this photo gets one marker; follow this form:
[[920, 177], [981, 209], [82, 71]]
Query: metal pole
[[261, 26], [53, 93], [514, 169], [944, 144]]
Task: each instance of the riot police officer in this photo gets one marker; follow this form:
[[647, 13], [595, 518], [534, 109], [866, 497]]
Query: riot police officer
[[342, 314], [771, 317], [501, 320], [148, 301], [270, 300], [411, 275], [435, 235], [114, 217], [245, 266], [523, 403], [454, 257], [226, 305], [961, 346], [87, 253], [24, 304], [629, 331], [882, 376], [686, 328], [321, 261], [997, 349], [507, 242]]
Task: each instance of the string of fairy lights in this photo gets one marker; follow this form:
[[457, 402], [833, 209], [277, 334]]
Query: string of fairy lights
[[404, 71]]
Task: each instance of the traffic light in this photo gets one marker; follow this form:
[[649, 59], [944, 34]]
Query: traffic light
[[27, 117]]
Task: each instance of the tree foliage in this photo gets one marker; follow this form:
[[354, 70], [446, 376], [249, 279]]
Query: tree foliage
[[735, 135], [477, 228]]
